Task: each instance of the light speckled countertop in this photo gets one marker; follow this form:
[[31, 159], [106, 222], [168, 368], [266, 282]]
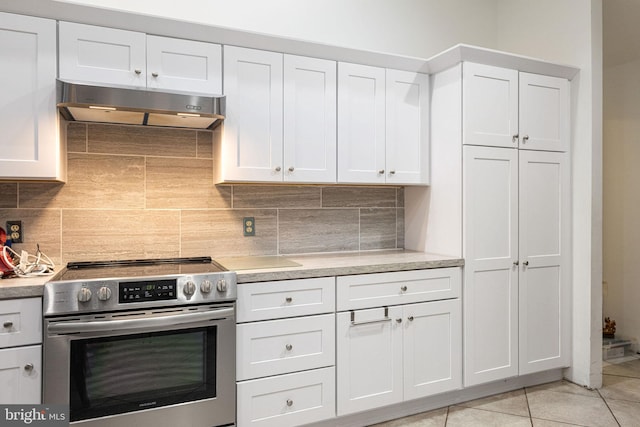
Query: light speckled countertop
[[317, 265], [342, 264]]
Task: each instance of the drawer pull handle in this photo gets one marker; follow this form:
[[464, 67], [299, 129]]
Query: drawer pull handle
[[138, 71], [7, 325], [28, 367], [289, 402], [288, 299], [403, 289], [154, 74], [368, 322], [289, 347]]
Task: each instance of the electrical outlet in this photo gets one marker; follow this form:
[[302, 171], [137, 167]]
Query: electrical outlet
[[15, 231], [249, 226]]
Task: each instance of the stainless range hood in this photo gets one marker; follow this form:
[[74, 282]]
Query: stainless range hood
[[87, 103]]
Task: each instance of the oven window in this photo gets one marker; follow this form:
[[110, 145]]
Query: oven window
[[126, 373]]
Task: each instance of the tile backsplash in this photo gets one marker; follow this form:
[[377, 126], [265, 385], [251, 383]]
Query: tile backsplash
[[138, 192]]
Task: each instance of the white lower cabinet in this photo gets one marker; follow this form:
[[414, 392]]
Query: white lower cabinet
[[287, 400], [21, 375]]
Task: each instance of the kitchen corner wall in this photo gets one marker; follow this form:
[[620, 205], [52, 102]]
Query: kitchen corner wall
[[142, 192]]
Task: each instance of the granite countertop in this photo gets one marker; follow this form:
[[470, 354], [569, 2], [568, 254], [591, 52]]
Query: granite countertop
[[335, 264], [270, 268]]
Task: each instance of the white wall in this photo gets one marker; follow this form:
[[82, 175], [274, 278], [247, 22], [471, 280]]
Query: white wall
[[570, 31], [622, 198], [419, 28]]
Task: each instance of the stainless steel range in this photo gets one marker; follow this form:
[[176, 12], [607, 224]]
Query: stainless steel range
[[142, 342]]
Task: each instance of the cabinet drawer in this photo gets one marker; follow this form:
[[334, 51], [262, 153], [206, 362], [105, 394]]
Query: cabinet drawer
[[287, 400], [282, 346], [21, 375], [285, 298], [20, 322], [402, 287]]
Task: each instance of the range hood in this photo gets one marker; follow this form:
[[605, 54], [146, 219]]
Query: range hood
[[87, 103]]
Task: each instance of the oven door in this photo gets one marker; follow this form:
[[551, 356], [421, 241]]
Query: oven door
[[163, 367]]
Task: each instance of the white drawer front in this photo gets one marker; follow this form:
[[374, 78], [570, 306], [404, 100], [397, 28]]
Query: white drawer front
[[20, 322], [402, 287], [282, 346], [287, 400], [285, 298]]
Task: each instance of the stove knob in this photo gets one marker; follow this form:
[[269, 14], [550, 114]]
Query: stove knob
[[206, 286], [84, 294], [221, 286], [104, 293], [189, 288]]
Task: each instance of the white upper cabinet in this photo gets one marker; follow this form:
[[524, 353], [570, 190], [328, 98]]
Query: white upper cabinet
[[309, 119], [506, 108], [407, 127], [251, 149], [132, 59], [29, 145], [361, 124], [383, 126], [280, 123]]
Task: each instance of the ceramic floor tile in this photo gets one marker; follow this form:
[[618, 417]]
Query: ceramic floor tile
[[514, 403], [569, 407], [464, 417], [627, 369], [563, 387], [546, 423], [627, 413], [437, 418], [620, 388]]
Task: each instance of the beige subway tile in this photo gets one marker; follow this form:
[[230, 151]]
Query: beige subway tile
[[378, 229], [40, 227], [178, 183], [90, 235], [8, 195], [77, 137], [359, 197], [142, 141], [317, 230], [93, 181], [400, 228], [265, 196], [218, 233], [205, 144]]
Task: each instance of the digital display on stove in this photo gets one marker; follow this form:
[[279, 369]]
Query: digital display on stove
[[157, 290]]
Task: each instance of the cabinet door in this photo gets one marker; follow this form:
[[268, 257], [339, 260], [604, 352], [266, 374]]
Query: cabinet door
[[432, 348], [544, 113], [102, 55], [361, 124], [490, 105], [490, 228], [368, 359], [184, 65], [29, 146], [544, 255], [252, 142], [309, 120], [21, 375], [407, 128]]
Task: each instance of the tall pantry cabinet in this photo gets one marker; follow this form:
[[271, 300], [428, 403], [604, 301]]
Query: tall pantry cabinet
[[511, 131]]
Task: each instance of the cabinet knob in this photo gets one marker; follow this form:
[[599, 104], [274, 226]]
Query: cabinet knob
[[28, 367], [278, 168], [399, 320], [525, 139], [154, 74], [288, 299], [381, 172], [516, 263], [410, 318], [403, 289], [289, 402], [525, 263], [515, 137], [137, 71], [7, 325], [291, 168], [289, 347]]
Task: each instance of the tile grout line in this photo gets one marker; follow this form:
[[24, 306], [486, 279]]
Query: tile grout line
[[526, 398], [608, 407]]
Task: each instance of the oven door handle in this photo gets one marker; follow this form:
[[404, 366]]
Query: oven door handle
[[146, 323]]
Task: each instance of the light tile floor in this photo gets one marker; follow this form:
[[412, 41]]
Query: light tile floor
[[556, 404]]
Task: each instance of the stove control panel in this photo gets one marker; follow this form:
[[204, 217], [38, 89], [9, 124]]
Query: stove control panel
[[147, 290]]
